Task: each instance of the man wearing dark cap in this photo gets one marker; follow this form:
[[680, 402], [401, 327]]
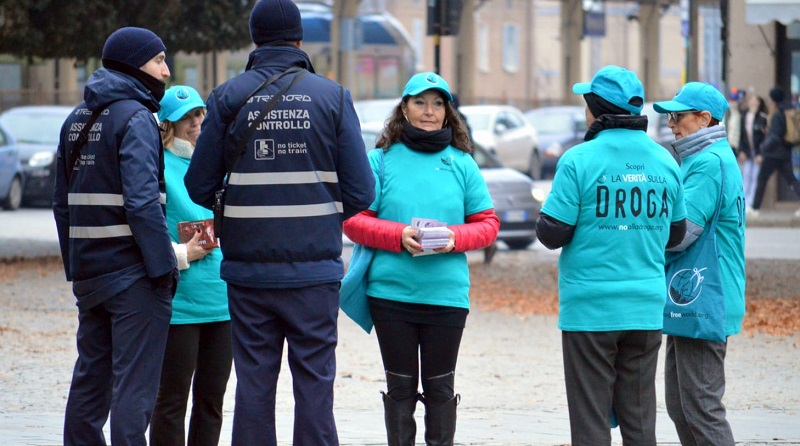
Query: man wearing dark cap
[[775, 151], [109, 211], [617, 202], [296, 172]]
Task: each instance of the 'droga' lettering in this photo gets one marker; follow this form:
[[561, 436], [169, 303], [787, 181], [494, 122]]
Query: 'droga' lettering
[[634, 201]]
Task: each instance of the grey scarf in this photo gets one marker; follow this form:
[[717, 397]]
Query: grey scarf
[[699, 140]]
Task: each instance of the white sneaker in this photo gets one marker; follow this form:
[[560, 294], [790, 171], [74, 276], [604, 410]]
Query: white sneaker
[[752, 212], [797, 213]]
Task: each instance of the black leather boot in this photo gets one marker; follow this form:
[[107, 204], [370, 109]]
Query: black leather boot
[[401, 429], [440, 422], [440, 410], [399, 405]]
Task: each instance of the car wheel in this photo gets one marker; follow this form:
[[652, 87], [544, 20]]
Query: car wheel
[[535, 165], [518, 243], [14, 198]]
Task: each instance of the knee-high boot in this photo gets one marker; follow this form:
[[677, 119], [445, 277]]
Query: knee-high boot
[[440, 410], [399, 405]]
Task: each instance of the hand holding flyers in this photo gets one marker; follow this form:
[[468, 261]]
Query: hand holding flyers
[[431, 234]]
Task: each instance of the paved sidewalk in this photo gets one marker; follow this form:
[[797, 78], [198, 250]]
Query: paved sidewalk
[[509, 374]]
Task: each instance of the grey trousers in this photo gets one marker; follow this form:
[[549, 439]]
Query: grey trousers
[[694, 381], [611, 369]]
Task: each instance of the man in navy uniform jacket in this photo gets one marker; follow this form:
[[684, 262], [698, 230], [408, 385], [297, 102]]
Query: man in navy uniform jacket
[[109, 211], [300, 175]]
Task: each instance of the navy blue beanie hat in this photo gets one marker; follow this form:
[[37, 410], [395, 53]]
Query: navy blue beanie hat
[[132, 46], [275, 21]]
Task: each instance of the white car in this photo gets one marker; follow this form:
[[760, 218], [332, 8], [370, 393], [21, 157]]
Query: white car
[[375, 110], [504, 131]]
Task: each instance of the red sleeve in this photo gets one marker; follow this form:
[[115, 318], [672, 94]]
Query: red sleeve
[[367, 229], [479, 231]]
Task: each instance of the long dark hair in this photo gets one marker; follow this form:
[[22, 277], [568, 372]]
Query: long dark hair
[[394, 126]]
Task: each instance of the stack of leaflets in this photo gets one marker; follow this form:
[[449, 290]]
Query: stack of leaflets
[[431, 234]]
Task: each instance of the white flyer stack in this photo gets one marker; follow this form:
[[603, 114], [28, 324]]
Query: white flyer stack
[[431, 234]]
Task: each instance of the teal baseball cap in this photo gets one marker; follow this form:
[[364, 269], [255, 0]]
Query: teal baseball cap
[[616, 85], [427, 81], [698, 96], [177, 101]]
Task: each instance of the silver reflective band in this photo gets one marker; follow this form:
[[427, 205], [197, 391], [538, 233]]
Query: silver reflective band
[[103, 199], [254, 179], [94, 199], [99, 231], [308, 210]]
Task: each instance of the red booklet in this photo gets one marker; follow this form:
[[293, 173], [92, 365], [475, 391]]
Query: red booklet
[[186, 230]]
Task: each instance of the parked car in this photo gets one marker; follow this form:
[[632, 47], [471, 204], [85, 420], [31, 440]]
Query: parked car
[[511, 191], [12, 178], [559, 128], [36, 130], [504, 131], [375, 110]]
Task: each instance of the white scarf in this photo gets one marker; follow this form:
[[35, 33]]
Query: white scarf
[[182, 148]]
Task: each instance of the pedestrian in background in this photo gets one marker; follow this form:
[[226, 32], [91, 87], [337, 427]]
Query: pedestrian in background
[[775, 151], [754, 130], [616, 204], [419, 304], [198, 354], [108, 207], [296, 173], [694, 369], [733, 119]]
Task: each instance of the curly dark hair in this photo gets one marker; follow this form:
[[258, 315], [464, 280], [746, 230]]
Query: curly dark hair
[[452, 118]]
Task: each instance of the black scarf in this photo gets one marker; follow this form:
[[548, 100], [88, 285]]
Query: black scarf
[[154, 86], [605, 122], [425, 141]]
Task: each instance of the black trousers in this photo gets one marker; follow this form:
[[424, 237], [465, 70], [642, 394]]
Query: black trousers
[[769, 165], [202, 351], [410, 349], [611, 371]]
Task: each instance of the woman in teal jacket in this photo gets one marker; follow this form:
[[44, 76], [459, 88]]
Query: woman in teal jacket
[[694, 369], [199, 340]]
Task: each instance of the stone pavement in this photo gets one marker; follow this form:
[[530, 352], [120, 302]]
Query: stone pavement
[[510, 377]]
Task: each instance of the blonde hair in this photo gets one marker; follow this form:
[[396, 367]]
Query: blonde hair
[[167, 133]]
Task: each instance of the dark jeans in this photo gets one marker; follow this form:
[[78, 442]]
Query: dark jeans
[[614, 369], [121, 345], [262, 320], [202, 351], [769, 165], [405, 346]]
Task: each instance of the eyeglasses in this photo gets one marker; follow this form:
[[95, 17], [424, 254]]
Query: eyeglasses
[[676, 116]]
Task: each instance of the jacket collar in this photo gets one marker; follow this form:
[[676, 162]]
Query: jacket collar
[[106, 86], [279, 56]]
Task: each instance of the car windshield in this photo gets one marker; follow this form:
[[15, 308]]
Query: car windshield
[[550, 123], [483, 160], [34, 128], [478, 121]]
